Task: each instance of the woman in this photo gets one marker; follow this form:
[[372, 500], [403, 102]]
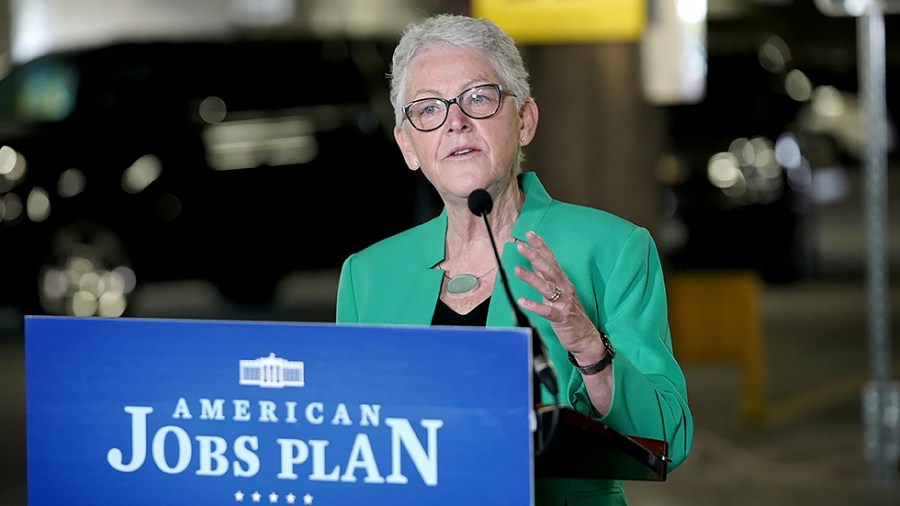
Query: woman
[[464, 112]]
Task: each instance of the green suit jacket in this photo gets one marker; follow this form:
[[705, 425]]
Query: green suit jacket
[[617, 274]]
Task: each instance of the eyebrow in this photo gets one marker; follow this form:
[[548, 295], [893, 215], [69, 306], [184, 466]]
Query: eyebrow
[[434, 94]]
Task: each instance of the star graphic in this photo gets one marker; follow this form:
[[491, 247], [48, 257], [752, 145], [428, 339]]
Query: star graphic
[[307, 499], [291, 498], [256, 496], [273, 498], [239, 496]]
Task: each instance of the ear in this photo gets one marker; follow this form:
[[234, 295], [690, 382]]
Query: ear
[[528, 114], [409, 154]]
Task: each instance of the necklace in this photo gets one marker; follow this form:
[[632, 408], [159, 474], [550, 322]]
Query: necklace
[[465, 283]]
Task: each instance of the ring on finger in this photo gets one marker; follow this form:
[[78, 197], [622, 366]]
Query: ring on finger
[[557, 291]]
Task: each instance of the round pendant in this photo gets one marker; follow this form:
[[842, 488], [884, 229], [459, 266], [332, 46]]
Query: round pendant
[[462, 283]]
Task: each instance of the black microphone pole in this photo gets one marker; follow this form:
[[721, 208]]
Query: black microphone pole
[[481, 204]]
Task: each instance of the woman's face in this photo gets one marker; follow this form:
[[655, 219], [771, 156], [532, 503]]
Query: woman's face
[[464, 153]]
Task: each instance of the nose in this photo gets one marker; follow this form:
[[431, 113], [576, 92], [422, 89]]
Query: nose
[[456, 118]]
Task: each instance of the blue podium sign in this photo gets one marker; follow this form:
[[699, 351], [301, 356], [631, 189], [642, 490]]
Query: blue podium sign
[[187, 412]]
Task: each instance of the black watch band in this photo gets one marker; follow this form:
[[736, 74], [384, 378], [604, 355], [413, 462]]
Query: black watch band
[[603, 363]]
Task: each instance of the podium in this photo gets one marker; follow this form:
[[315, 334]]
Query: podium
[[145, 411], [577, 446]]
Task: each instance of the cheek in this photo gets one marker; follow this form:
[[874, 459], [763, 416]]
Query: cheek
[[505, 144], [414, 150], [507, 133], [425, 145]]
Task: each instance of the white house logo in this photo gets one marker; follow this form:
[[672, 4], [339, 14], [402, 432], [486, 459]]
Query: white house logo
[[271, 372]]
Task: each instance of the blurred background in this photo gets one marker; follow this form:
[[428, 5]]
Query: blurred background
[[220, 159]]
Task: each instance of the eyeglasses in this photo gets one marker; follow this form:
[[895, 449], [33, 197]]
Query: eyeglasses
[[480, 102]]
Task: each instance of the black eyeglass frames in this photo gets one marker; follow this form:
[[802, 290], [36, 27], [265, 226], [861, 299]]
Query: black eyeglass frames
[[479, 102]]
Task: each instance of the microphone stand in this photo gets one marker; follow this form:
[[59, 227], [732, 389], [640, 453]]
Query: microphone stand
[[543, 370]]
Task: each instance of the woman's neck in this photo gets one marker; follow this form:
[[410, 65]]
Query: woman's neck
[[467, 240]]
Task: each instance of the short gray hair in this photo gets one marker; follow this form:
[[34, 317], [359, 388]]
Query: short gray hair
[[466, 33]]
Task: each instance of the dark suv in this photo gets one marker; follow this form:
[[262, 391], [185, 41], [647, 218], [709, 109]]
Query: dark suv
[[234, 162]]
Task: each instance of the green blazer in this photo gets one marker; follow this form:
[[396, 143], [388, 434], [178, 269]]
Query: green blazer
[[617, 274]]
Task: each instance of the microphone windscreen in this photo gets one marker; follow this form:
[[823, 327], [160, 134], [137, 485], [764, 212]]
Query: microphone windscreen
[[480, 202]]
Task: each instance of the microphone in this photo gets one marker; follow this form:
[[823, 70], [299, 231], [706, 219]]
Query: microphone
[[481, 203]]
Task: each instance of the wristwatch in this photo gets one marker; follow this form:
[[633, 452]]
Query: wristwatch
[[603, 363]]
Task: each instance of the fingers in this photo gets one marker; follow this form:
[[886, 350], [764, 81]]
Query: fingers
[[536, 282], [559, 303], [537, 308], [543, 262], [557, 292], [545, 275]]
